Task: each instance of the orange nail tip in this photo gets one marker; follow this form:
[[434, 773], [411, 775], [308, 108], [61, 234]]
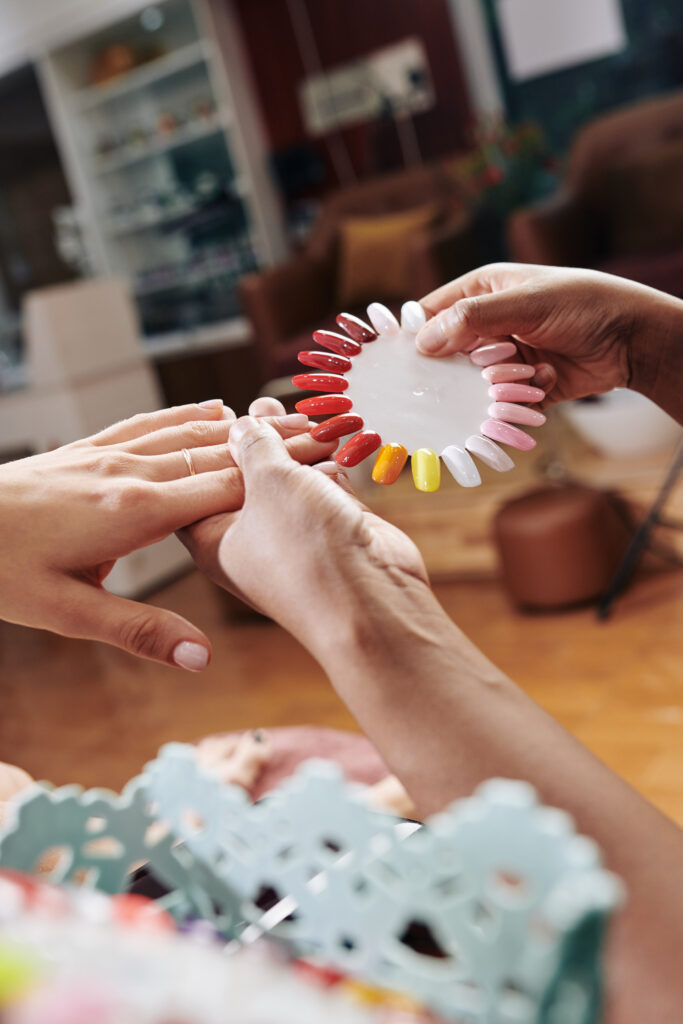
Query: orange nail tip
[[391, 459]]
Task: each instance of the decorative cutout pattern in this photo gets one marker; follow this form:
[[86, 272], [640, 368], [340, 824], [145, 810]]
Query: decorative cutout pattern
[[493, 913]]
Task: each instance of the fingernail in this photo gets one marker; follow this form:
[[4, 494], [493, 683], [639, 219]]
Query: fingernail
[[511, 412], [191, 656], [325, 404], [320, 382], [293, 420], [488, 354], [507, 434], [325, 361], [389, 463], [358, 448], [544, 377], [338, 426], [338, 342], [432, 337], [238, 430], [489, 453], [212, 403], [356, 328], [515, 393], [506, 373], [426, 470]]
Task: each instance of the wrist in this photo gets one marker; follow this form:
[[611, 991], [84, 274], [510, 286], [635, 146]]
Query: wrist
[[656, 352]]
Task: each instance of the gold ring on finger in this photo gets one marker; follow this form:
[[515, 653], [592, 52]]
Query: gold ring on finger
[[188, 459]]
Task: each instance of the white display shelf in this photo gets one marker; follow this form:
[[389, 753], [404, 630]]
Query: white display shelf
[[192, 132], [142, 77], [239, 187]]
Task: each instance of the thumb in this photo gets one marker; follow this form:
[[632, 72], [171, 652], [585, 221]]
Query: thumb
[[141, 629], [460, 326], [257, 448]]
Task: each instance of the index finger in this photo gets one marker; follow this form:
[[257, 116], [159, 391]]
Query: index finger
[[484, 280]]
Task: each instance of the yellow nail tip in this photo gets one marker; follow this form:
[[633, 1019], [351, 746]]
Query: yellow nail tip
[[390, 460], [426, 470]]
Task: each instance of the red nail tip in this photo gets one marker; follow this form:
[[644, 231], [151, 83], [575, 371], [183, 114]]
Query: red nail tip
[[358, 448], [320, 382], [325, 361], [337, 343], [358, 330], [336, 427], [324, 405]]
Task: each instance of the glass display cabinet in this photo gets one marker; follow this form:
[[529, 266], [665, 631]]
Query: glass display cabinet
[[156, 131]]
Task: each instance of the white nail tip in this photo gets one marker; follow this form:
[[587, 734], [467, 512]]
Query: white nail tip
[[461, 465], [382, 319], [413, 317], [489, 453]]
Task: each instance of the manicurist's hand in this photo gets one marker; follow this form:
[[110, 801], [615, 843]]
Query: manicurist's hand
[[584, 331], [68, 515]]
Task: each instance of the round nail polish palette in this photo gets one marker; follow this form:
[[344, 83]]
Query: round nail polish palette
[[396, 402]]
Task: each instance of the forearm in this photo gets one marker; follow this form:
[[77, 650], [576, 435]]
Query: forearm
[[656, 352], [445, 718]]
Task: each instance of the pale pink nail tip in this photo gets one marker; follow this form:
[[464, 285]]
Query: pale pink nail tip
[[489, 354], [190, 656], [506, 373], [515, 393], [510, 412], [507, 434], [489, 453]]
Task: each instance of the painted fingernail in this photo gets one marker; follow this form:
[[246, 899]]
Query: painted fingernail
[[511, 412], [488, 354], [515, 393], [191, 656], [390, 460], [212, 403], [338, 343], [461, 465], [507, 434], [426, 470], [432, 337], [489, 453], [337, 427], [325, 361], [293, 421], [358, 448], [356, 328], [324, 405], [545, 377], [413, 317], [382, 319], [505, 373], [320, 382]]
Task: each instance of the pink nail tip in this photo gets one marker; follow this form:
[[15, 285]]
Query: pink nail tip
[[506, 373], [358, 448], [515, 393], [489, 354], [338, 343], [325, 361], [320, 382], [356, 328], [510, 412], [507, 434]]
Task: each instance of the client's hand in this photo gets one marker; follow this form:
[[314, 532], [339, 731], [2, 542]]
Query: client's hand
[[68, 515], [585, 331], [303, 546]]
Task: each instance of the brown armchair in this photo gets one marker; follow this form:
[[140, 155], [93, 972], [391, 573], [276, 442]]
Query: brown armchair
[[287, 303], [620, 207]]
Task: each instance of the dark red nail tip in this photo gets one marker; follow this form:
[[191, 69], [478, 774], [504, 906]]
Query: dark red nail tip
[[337, 343], [324, 405], [336, 427], [356, 328], [320, 382], [358, 448], [325, 361]]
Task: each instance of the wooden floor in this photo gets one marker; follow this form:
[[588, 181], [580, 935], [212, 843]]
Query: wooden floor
[[74, 711]]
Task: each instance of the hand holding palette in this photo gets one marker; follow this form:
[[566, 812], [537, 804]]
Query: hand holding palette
[[396, 402]]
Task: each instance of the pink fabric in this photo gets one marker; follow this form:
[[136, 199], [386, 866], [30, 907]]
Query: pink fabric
[[354, 753]]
